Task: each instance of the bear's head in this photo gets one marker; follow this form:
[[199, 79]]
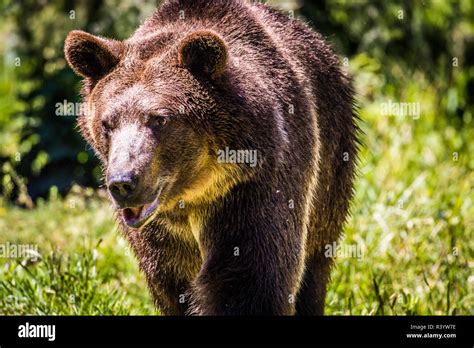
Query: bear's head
[[150, 106]]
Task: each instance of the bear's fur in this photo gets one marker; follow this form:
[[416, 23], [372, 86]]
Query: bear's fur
[[197, 78]]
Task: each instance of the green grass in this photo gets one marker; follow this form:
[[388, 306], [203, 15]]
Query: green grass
[[412, 217], [85, 266]]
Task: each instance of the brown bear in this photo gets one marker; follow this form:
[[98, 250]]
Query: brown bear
[[228, 137]]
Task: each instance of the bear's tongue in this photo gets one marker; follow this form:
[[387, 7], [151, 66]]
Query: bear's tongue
[[133, 213], [136, 216]]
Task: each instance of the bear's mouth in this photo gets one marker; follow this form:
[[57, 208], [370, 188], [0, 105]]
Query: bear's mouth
[[136, 217]]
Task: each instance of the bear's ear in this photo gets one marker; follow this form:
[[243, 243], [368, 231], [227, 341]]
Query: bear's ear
[[91, 56], [203, 53]]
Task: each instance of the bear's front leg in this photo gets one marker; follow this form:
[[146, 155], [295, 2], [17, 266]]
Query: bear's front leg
[[252, 258]]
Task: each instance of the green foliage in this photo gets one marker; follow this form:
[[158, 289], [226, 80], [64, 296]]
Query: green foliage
[[433, 40], [41, 146]]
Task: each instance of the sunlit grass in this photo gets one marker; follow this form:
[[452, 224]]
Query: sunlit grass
[[85, 265]]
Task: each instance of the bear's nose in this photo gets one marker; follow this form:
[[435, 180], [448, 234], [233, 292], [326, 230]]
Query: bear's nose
[[122, 185]]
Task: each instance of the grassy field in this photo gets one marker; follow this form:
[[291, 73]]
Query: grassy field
[[412, 219]]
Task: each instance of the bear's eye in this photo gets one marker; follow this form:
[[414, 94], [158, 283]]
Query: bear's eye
[[158, 122], [106, 127]]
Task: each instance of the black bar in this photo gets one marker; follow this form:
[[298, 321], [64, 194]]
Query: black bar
[[289, 331]]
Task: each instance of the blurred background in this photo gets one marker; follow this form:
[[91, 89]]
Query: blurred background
[[413, 212]]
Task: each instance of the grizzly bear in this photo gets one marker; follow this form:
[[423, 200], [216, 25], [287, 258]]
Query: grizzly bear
[[228, 137]]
